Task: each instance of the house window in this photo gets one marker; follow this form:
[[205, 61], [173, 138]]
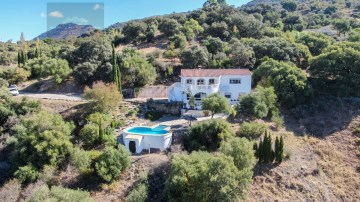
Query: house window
[[211, 81], [189, 81], [228, 95], [235, 81], [200, 82]]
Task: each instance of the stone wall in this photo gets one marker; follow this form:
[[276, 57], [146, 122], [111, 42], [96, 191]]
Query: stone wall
[[173, 108]]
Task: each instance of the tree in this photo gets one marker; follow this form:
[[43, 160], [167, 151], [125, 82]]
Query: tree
[[207, 135], [251, 105], [15, 75], [42, 139], [216, 103], [354, 35], [279, 149], [241, 54], [89, 135], [179, 41], [293, 22], [112, 162], [134, 30], [342, 26], [105, 98], [336, 70], [169, 26], [116, 71], [192, 28], [290, 83], [219, 29], [201, 176], [316, 42], [247, 25], [242, 152], [330, 10], [80, 159], [195, 56], [26, 174], [136, 70], [58, 68], [214, 45], [289, 5]]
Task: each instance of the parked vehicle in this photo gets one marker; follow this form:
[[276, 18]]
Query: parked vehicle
[[13, 91]]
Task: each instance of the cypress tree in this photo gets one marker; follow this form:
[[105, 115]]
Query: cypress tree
[[119, 78], [281, 150], [19, 58], [101, 132], [272, 156], [116, 70], [256, 150], [261, 151]]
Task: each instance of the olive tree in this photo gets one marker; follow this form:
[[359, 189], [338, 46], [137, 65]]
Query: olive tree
[[216, 103]]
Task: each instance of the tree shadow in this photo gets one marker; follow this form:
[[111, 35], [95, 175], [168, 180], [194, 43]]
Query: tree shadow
[[156, 182], [260, 169], [323, 116]]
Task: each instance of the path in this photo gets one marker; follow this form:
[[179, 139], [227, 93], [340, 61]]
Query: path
[[70, 97]]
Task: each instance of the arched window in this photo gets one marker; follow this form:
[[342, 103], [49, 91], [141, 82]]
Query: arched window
[[211, 81], [200, 82], [189, 81]]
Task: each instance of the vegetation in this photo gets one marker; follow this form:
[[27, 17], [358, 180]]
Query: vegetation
[[251, 130], [207, 135], [105, 98], [264, 151], [191, 175], [216, 103], [57, 193], [112, 162]]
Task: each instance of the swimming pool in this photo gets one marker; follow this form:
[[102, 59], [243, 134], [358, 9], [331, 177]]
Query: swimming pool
[[143, 130]]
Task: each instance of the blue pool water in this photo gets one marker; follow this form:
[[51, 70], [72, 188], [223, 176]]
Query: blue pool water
[[142, 130]]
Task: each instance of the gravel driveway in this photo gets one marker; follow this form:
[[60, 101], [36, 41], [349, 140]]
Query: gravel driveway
[[70, 97]]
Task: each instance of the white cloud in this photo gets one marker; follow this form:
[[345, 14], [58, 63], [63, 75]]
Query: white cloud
[[56, 14], [42, 14], [76, 20], [97, 7]]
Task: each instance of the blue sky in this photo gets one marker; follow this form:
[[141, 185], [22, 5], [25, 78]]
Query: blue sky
[[30, 16]]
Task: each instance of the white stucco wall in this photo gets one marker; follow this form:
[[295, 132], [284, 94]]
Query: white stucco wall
[[161, 142], [222, 85]]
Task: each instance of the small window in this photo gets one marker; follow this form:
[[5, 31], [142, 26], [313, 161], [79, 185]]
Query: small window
[[189, 81], [235, 81], [200, 82], [228, 95], [211, 81]]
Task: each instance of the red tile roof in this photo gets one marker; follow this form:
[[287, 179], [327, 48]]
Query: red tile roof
[[213, 72]]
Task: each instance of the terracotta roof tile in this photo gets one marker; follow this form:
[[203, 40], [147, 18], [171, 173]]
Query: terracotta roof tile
[[213, 72]]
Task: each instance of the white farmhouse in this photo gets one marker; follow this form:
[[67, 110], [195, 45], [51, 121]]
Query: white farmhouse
[[230, 83]]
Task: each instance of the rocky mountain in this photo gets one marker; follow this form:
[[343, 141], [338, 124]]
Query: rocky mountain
[[63, 31]]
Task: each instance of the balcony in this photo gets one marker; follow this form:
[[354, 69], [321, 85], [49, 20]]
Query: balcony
[[213, 88]]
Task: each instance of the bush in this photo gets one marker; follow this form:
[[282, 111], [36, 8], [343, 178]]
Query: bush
[[105, 98], [251, 130], [58, 193], [26, 174], [139, 194], [14, 76], [80, 159], [207, 135], [153, 115], [112, 162], [279, 122], [89, 135], [48, 175], [216, 103], [241, 150], [201, 176]]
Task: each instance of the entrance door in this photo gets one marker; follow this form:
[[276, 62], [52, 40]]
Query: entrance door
[[132, 147]]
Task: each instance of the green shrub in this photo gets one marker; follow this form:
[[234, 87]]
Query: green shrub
[[80, 159], [251, 130], [89, 135], [48, 175], [57, 193], [112, 162], [139, 194], [202, 176], [153, 115], [279, 122], [207, 135], [27, 174]]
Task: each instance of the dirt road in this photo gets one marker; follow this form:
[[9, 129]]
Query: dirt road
[[70, 97]]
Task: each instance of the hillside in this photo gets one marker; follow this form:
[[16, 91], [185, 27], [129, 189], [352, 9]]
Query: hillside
[[63, 31]]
